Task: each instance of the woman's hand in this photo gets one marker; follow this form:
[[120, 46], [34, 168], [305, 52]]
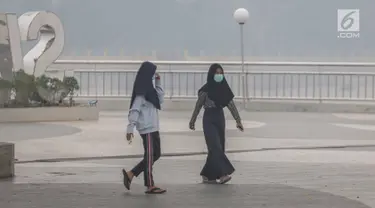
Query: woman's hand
[[240, 126], [157, 76], [191, 126], [129, 137]]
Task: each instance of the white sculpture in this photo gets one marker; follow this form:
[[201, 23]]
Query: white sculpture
[[42, 25], [6, 61], [48, 28]]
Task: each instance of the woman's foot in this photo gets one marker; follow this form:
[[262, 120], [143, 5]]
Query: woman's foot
[[155, 190], [206, 180], [225, 179], [128, 177]]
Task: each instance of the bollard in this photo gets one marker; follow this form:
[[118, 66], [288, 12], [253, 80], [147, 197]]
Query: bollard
[[6, 160]]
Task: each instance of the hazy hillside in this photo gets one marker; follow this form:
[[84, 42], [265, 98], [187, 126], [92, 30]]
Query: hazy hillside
[[276, 27]]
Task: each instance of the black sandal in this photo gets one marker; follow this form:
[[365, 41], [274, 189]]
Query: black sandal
[[127, 181], [156, 190]]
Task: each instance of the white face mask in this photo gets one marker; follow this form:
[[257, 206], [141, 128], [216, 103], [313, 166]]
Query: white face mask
[[218, 77]]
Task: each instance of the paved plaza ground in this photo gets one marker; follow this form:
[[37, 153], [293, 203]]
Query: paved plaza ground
[[281, 160]]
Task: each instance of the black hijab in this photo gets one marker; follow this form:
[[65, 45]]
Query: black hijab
[[143, 84], [219, 92]]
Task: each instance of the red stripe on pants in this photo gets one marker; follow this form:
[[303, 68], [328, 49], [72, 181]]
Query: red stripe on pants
[[150, 159]]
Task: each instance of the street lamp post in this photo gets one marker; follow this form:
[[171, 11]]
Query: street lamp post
[[241, 15]]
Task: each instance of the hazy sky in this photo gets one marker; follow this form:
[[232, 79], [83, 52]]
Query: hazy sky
[[275, 27]]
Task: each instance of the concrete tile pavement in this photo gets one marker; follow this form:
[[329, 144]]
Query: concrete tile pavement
[[184, 196], [263, 131], [271, 183], [107, 138], [270, 178]]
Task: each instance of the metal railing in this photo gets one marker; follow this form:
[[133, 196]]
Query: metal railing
[[181, 80]]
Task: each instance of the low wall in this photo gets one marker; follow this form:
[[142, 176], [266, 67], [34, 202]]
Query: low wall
[[304, 106], [6, 160], [44, 114], [121, 104]]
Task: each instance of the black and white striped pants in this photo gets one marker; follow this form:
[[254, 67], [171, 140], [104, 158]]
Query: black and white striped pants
[[151, 144]]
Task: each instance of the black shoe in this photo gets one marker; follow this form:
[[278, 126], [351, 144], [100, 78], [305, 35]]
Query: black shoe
[[127, 181]]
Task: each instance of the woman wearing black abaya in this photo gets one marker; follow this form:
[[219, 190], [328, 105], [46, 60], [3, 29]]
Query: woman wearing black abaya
[[214, 96]]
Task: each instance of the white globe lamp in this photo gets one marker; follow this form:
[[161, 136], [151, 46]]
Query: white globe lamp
[[241, 15]]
